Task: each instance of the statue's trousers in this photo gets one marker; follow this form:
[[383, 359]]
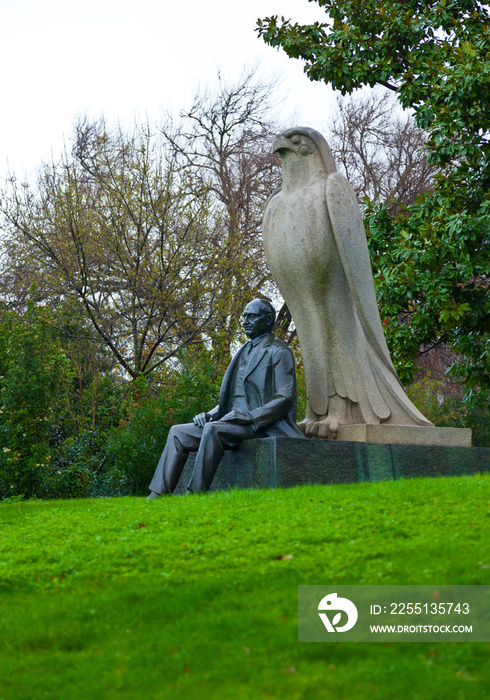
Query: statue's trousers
[[210, 443]]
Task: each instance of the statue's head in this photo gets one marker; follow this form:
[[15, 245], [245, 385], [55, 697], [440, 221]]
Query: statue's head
[[258, 318], [301, 142]]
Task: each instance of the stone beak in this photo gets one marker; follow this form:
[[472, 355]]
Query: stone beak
[[282, 143]]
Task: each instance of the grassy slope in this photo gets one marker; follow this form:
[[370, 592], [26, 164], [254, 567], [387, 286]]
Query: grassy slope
[[187, 597]]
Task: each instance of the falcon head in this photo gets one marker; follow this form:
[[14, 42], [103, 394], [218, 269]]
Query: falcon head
[[303, 141], [297, 140]]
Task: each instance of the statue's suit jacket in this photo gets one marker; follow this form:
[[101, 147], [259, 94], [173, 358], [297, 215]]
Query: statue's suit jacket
[[269, 386]]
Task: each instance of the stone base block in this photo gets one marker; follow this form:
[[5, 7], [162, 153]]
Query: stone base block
[[406, 435], [285, 462]]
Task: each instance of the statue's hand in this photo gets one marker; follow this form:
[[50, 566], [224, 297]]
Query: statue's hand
[[237, 417], [201, 419]]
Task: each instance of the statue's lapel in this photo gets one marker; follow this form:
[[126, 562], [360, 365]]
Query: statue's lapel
[[258, 353], [227, 379]]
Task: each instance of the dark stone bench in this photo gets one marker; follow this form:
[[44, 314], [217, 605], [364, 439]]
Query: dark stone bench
[[284, 462]]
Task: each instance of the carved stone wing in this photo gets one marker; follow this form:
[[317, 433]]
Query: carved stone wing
[[350, 237]]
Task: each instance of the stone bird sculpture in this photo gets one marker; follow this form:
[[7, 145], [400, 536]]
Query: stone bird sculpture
[[316, 247]]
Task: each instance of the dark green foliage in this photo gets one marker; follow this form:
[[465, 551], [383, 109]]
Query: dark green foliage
[[81, 445], [56, 415], [431, 264], [431, 261], [457, 414], [74, 480], [76, 463], [35, 374], [450, 412], [95, 397], [67, 430], [134, 450]]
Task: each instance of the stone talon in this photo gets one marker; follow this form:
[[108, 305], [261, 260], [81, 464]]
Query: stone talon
[[328, 428], [311, 430], [302, 426]]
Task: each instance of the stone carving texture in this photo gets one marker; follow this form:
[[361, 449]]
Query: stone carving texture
[[316, 247]]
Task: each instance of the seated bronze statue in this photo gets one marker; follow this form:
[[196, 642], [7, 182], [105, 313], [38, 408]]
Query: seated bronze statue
[[257, 400]]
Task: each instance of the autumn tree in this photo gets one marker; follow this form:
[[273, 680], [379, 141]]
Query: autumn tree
[[223, 144], [431, 261], [116, 230], [380, 149]]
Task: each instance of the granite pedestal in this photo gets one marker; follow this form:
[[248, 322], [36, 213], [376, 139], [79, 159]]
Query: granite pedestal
[[406, 435], [285, 462]]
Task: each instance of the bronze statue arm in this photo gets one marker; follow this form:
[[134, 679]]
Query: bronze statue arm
[[235, 416], [202, 418]]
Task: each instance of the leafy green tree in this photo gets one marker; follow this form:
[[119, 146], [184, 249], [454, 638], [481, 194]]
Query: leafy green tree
[[34, 377], [431, 260]]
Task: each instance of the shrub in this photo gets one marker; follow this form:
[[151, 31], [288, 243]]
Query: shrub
[[136, 446], [74, 481], [34, 373], [450, 412]]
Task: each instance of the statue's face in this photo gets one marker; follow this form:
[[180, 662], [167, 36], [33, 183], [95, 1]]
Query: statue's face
[[294, 140], [257, 320]]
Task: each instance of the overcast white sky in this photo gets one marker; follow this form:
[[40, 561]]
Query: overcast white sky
[[62, 59]]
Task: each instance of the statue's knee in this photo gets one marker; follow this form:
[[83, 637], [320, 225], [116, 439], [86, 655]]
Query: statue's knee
[[211, 431], [208, 429], [176, 431]]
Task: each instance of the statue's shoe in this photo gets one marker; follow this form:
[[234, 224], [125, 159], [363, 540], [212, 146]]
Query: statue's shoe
[[153, 494]]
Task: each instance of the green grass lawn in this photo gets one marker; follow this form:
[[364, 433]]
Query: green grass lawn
[[189, 597]]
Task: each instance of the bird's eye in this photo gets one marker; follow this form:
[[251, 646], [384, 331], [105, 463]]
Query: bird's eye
[[296, 139]]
